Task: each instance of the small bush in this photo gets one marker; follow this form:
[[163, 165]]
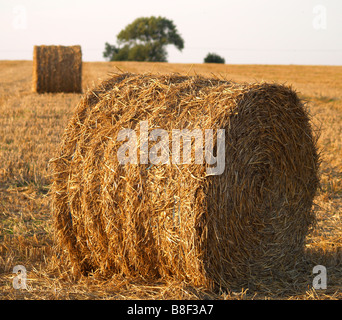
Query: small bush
[[213, 58]]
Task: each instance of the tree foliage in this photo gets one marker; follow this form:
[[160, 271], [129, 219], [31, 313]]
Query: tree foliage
[[213, 58], [109, 51], [145, 39]]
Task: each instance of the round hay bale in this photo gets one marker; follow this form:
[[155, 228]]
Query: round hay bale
[[57, 69], [176, 219]]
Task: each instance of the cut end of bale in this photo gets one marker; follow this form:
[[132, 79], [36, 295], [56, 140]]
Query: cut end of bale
[[162, 221], [57, 69]]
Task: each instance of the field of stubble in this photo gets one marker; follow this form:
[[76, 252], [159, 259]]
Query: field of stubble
[[31, 126]]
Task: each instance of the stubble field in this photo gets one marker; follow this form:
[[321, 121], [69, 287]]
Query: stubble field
[[31, 126]]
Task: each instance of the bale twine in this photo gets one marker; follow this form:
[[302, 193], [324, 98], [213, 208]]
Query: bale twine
[[57, 69], [176, 220]]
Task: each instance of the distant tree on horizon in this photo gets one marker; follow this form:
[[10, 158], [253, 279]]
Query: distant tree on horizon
[[145, 39], [213, 58]]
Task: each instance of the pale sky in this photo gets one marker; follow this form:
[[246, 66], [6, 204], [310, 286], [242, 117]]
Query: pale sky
[[241, 31]]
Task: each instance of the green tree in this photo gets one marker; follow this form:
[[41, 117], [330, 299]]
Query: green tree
[[213, 58], [145, 39], [109, 50]]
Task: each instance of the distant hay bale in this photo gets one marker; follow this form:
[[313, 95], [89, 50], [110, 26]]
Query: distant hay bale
[[175, 220], [57, 69]]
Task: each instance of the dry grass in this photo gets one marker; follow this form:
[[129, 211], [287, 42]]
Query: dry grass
[[31, 126], [176, 221]]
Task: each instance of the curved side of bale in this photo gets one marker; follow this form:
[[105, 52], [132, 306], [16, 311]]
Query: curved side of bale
[[173, 220], [64, 232], [57, 69]]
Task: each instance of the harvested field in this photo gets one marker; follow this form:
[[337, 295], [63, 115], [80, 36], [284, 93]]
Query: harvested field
[[31, 129]]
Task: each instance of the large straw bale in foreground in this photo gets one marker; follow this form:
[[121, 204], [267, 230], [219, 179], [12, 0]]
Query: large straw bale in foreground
[[174, 220], [57, 69]]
